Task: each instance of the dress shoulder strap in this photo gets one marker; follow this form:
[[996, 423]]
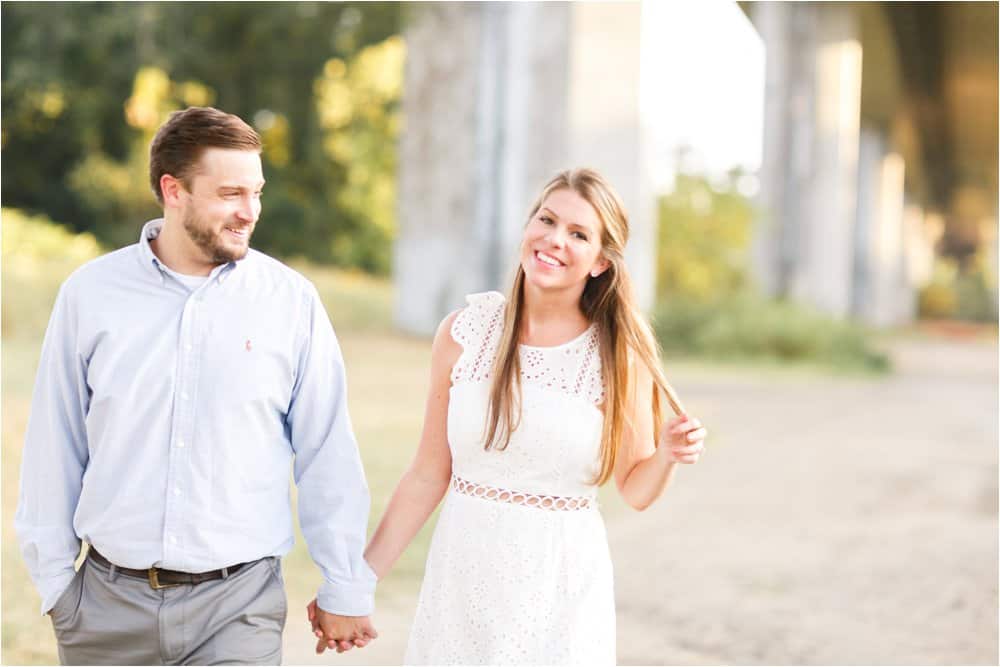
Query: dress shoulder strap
[[477, 329]]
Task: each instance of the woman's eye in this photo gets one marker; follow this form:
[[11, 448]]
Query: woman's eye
[[546, 220], [580, 235]]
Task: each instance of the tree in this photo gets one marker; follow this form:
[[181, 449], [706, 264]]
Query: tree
[[70, 70]]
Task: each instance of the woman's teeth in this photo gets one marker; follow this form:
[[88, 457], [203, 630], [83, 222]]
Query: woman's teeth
[[545, 259]]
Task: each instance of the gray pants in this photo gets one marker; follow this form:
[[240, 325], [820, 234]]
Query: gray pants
[[108, 618]]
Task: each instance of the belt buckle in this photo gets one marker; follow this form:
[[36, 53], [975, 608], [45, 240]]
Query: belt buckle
[[154, 580]]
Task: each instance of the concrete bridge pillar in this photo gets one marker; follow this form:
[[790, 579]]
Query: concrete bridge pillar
[[804, 245], [881, 284]]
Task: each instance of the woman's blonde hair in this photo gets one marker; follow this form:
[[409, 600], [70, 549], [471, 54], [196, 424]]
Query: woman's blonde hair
[[608, 301]]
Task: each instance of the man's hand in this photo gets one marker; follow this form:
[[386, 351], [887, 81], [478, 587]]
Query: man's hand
[[339, 632]]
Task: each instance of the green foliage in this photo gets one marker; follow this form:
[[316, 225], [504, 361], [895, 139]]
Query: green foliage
[[38, 254], [937, 300], [744, 326], [358, 106], [706, 305], [67, 69], [86, 84], [704, 233], [964, 294], [30, 242], [117, 195]]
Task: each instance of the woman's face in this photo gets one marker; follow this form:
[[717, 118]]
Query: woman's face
[[562, 242]]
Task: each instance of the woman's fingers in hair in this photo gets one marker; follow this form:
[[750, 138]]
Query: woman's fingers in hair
[[686, 442], [680, 428], [697, 435], [688, 424]]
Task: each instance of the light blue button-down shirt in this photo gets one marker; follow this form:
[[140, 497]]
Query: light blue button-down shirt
[[164, 422]]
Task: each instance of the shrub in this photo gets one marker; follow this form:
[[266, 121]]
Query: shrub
[[745, 326], [38, 254], [967, 293]]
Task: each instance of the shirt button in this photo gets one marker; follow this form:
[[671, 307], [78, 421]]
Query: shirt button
[[188, 347], [184, 395], [180, 444], [177, 491], [173, 539]]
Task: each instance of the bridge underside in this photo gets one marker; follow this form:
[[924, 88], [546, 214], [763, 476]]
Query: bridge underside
[[880, 147]]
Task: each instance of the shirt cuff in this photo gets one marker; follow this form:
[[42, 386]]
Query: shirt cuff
[[356, 598], [53, 588]]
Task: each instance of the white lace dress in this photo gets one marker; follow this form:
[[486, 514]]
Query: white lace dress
[[519, 570]]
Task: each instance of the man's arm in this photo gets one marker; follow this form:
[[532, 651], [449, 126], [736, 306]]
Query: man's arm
[[54, 458], [333, 493]]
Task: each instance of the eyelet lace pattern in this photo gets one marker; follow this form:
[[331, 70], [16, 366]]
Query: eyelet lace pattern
[[573, 368], [555, 503]]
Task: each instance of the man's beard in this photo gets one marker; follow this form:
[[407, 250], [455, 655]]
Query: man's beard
[[209, 241]]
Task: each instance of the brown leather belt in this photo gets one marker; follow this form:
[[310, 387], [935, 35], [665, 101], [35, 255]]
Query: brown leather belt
[[159, 578]]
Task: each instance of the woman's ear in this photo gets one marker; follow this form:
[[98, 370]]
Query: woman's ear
[[600, 266]]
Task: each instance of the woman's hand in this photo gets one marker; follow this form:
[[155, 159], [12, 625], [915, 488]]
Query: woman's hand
[[682, 439], [358, 628]]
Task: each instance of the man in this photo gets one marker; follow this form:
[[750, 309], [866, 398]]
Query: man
[[178, 379]]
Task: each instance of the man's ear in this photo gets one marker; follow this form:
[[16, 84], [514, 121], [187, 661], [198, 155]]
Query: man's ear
[[171, 188]]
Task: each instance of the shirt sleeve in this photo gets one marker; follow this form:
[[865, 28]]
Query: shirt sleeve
[[333, 493], [54, 457]]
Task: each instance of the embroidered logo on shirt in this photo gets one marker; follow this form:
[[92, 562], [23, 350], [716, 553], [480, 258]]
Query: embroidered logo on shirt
[[248, 345]]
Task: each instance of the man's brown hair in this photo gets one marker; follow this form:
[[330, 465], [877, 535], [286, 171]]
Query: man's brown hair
[[179, 143]]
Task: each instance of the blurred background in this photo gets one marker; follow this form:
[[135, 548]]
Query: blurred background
[[812, 191]]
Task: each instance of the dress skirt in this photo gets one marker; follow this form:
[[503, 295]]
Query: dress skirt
[[512, 584]]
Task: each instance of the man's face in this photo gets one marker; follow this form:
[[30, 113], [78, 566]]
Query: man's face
[[223, 204]]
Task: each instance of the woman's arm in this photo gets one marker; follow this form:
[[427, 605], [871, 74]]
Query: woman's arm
[[644, 467], [426, 480], [422, 486]]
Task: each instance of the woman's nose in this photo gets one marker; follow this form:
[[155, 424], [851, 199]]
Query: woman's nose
[[556, 237]]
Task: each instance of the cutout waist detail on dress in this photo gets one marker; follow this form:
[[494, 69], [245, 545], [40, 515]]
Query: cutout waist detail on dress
[[541, 501]]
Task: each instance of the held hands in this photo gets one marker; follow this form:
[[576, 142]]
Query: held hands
[[682, 439], [339, 632]]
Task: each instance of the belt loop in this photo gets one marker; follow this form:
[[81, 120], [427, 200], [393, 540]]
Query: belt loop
[[112, 573], [225, 573]]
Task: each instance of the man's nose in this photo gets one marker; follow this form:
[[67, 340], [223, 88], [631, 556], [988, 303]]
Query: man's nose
[[247, 210]]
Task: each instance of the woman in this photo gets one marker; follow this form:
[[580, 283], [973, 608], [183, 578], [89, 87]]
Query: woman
[[535, 401]]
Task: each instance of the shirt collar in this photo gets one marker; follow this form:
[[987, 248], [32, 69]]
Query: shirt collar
[[150, 231]]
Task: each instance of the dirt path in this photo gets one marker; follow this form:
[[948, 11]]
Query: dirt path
[[833, 521]]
